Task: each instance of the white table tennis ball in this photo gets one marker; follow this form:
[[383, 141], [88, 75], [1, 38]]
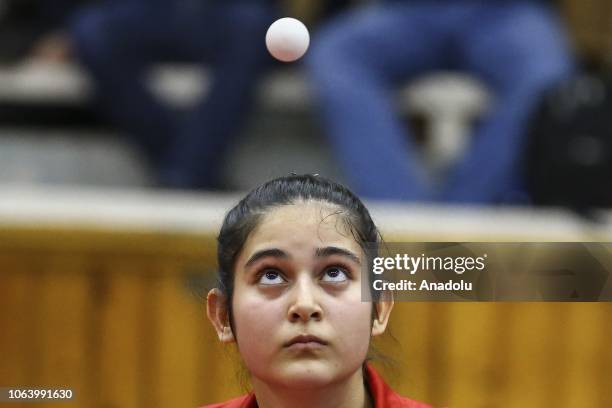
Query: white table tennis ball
[[287, 39]]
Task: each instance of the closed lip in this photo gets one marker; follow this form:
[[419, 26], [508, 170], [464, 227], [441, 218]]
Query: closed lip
[[305, 339]]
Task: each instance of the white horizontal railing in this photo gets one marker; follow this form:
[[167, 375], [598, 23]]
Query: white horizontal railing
[[200, 213]]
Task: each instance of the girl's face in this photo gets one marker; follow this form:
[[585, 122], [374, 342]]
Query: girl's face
[[297, 307]]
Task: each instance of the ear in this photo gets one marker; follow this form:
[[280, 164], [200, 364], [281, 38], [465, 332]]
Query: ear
[[216, 310], [383, 311]]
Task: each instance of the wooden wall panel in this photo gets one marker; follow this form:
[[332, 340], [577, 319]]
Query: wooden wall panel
[[17, 313], [504, 354], [466, 342], [181, 321], [63, 307], [120, 338], [124, 329]]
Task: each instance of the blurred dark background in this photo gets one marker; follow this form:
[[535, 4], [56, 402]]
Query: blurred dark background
[[52, 130]]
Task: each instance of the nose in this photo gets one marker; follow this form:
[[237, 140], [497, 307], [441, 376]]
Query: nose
[[304, 304]]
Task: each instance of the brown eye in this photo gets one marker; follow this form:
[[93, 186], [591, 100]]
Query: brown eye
[[334, 274], [271, 277]]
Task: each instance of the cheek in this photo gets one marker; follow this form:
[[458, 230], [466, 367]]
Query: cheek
[[256, 320], [352, 321]]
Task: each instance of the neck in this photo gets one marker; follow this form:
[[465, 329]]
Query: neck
[[349, 393]]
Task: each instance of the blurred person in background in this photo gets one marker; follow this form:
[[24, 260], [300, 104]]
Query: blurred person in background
[[35, 30], [517, 48], [119, 41]]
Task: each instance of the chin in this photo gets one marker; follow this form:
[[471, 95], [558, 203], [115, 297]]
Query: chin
[[309, 374]]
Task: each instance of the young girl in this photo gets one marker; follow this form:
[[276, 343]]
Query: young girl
[[290, 257]]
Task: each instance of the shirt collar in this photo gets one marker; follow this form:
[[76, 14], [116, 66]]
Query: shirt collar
[[383, 396]]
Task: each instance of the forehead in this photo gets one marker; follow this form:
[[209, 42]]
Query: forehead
[[301, 226]]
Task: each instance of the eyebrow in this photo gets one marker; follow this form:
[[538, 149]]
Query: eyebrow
[[265, 253], [331, 250], [319, 252]]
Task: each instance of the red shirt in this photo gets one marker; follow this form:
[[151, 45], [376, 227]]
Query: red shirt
[[382, 394]]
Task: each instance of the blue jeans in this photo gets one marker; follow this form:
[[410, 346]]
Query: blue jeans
[[118, 42], [357, 62]]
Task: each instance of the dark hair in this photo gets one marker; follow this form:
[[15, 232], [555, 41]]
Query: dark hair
[[241, 220]]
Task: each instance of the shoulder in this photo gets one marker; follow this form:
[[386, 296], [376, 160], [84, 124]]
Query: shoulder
[[393, 400], [246, 401], [384, 396], [408, 403]]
